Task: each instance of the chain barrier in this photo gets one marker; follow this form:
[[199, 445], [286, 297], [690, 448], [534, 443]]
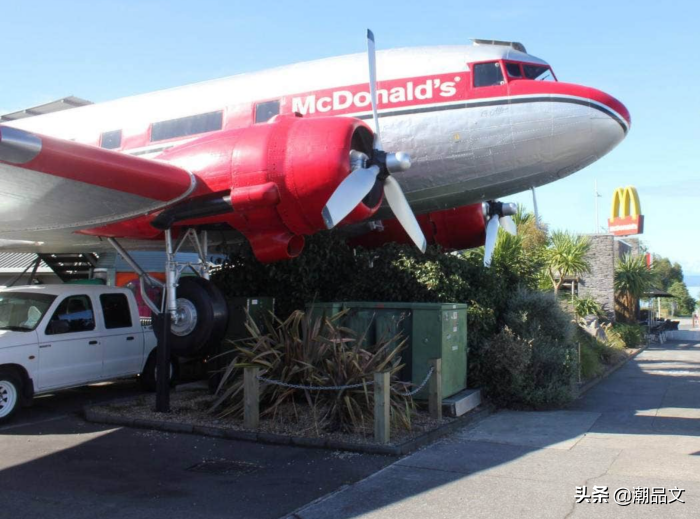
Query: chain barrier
[[349, 386], [422, 385], [314, 388]]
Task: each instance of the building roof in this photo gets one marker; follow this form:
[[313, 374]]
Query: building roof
[[16, 262], [54, 106]]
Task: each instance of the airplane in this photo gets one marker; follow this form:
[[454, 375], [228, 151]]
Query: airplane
[[274, 156]]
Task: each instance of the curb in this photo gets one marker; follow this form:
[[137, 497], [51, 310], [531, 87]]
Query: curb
[[592, 383], [481, 412]]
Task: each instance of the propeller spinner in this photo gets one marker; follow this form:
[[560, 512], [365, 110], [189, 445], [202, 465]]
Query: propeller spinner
[[368, 170]]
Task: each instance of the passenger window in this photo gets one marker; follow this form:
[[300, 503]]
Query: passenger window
[[513, 70], [74, 314], [191, 125], [488, 74], [266, 111], [111, 140], [115, 308]]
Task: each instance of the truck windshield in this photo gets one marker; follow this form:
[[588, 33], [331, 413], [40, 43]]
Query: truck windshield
[[22, 311]]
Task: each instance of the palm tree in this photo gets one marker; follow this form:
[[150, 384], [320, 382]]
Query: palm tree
[[565, 256], [632, 280], [532, 232]]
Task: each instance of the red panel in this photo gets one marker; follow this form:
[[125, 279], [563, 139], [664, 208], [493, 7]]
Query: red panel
[[626, 225], [453, 229], [529, 87]]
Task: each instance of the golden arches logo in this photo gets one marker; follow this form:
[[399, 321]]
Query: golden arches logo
[[625, 203], [626, 212]]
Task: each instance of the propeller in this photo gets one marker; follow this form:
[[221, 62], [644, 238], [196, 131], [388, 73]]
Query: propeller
[[368, 170], [534, 204], [497, 214]]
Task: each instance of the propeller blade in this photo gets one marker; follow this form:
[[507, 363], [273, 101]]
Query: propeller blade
[[491, 235], [508, 225], [534, 204], [399, 205], [372, 59], [349, 194]]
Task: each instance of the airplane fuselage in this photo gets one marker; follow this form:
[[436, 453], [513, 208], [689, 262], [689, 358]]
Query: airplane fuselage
[[478, 121]]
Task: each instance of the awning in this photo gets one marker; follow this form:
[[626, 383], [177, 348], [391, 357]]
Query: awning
[[655, 292]]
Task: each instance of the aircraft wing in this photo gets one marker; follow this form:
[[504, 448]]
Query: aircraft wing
[[49, 184]]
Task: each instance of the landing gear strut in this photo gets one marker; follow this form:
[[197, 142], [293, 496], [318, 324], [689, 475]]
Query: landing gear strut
[[192, 316]]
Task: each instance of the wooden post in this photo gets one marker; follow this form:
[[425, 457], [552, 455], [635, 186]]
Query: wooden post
[[579, 362], [251, 398], [382, 411], [435, 391]]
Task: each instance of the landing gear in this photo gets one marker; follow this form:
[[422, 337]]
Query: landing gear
[[202, 317], [192, 315]]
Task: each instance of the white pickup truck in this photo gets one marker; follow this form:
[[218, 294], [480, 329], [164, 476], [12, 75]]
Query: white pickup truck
[[61, 336]]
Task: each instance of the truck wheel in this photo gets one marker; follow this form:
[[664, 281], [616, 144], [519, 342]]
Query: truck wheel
[[203, 318], [150, 372], [10, 394]]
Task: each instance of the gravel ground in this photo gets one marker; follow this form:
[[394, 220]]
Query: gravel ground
[[190, 406]]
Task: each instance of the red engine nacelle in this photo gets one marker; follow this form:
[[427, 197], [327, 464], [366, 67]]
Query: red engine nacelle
[[453, 229], [278, 175]]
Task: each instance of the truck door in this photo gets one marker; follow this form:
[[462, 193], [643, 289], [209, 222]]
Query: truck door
[[122, 341], [70, 352]]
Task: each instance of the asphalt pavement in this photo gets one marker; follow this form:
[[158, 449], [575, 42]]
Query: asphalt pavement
[[54, 464], [638, 429]]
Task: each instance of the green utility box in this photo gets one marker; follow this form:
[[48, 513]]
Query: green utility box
[[432, 330], [258, 308]]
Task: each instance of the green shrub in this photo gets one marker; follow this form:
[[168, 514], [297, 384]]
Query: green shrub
[[596, 355], [532, 363], [625, 335], [591, 366], [315, 352], [537, 315], [584, 306], [506, 359]]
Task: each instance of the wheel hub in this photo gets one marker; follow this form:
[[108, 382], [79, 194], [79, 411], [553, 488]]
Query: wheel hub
[[185, 319], [8, 398]]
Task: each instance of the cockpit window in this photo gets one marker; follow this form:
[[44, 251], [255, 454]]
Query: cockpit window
[[538, 72], [514, 71], [488, 74]]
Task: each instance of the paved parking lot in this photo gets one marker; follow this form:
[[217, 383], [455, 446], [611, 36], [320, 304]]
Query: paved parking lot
[[54, 464]]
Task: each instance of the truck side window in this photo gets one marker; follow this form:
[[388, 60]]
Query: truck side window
[[488, 74], [74, 314], [115, 308]]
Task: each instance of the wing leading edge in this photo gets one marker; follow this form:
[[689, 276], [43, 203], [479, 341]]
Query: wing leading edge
[[49, 184]]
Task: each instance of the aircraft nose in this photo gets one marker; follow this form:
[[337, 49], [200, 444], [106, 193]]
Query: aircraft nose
[[610, 106]]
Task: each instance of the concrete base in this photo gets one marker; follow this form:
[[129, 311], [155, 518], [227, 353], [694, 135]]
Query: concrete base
[[462, 402], [683, 335]]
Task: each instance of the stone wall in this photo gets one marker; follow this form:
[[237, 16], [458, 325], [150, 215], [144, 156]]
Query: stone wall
[[599, 283], [604, 253]]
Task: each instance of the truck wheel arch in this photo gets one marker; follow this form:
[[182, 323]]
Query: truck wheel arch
[[27, 382]]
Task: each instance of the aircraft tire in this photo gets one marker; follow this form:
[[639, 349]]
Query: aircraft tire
[[198, 335], [150, 370]]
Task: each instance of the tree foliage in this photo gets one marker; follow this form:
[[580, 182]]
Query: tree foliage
[[565, 256], [632, 280], [684, 303], [667, 273]]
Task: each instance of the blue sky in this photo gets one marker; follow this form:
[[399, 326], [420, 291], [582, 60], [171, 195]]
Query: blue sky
[[644, 53]]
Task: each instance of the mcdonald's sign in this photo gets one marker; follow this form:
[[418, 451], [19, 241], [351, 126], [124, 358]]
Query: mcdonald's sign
[[626, 216]]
